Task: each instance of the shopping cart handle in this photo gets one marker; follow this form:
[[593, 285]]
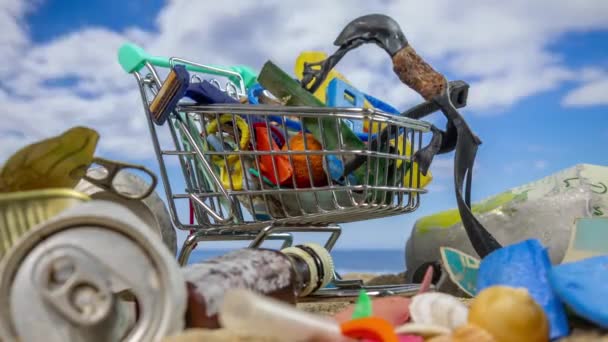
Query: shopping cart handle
[[133, 58], [435, 89]]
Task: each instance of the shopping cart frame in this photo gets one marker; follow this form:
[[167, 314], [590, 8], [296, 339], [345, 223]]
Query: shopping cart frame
[[258, 231]]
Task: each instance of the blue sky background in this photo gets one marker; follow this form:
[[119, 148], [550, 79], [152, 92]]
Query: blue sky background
[[538, 73]]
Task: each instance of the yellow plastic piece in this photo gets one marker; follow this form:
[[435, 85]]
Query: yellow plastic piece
[[318, 56], [234, 164], [321, 92], [57, 162], [424, 180], [25, 209]]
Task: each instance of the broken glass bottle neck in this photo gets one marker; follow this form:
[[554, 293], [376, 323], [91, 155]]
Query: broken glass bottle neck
[[284, 275]]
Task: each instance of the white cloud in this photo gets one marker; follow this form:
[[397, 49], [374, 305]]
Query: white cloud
[[500, 47], [501, 91], [13, 38], [442, 167], [591, 93]]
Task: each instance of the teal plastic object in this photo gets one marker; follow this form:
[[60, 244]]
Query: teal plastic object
[[461, 268], [132, 58], [363, 307]]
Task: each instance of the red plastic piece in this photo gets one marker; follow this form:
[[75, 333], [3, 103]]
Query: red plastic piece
[[281, 162]]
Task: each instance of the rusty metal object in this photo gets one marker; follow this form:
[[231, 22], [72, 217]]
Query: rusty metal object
[[418, 74]]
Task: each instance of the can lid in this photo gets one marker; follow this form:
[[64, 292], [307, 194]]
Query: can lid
[[150, 209], [64, 279]]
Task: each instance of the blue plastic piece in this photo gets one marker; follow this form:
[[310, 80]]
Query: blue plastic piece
[[336, 96], [583, 286], [337, 90], [206, 93], [216, 143], [252, 95], [526, 264], [335, 167], [383, 106]]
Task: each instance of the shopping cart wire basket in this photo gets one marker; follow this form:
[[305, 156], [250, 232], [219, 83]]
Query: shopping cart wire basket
[[265, 170]]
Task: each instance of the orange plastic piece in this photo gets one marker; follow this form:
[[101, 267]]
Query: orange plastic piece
[[281, 162], [372, 328], [301, 166]]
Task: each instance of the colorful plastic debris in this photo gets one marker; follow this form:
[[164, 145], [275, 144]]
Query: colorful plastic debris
[[300, 163], [525, 264], [462, 269], [583, 287], [373, 328], [363, 307], [394, 309]]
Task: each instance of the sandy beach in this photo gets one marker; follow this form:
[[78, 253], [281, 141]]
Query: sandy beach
[[582, 331]]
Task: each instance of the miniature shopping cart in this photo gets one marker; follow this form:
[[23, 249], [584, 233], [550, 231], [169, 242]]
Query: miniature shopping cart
[[256, 172]]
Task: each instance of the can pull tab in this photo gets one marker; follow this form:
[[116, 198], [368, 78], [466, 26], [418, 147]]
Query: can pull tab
[[111, 168], [71, 282]]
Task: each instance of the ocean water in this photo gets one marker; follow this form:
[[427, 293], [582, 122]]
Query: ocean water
[[346, 261]]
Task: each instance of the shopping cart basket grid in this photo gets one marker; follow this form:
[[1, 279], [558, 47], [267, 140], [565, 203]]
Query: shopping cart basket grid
[[239, 191]]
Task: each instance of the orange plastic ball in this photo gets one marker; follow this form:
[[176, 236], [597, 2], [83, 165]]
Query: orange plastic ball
[[300, 166]]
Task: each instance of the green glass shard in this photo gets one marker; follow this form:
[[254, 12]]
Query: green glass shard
[[363, 307]]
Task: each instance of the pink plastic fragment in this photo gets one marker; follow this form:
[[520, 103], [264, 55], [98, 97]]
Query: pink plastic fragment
[[394, 309], [426, 281], [403, 338]]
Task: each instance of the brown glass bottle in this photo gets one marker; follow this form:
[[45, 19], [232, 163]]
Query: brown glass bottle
[[284, 275]]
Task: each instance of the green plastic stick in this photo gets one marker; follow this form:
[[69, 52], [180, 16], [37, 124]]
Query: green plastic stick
[[281, 85], [132, 58], [363, 307], [255, 173]]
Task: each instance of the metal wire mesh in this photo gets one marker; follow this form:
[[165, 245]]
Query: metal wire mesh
[[248, 166]]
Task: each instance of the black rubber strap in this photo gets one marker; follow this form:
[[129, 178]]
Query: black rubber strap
[[457, 136], [466, 149], [424, 156]]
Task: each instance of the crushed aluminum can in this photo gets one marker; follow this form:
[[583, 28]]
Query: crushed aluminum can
[[80, 275], [25, 209], [150, 209]]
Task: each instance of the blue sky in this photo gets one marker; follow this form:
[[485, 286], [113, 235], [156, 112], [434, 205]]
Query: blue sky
[[538, 73]]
